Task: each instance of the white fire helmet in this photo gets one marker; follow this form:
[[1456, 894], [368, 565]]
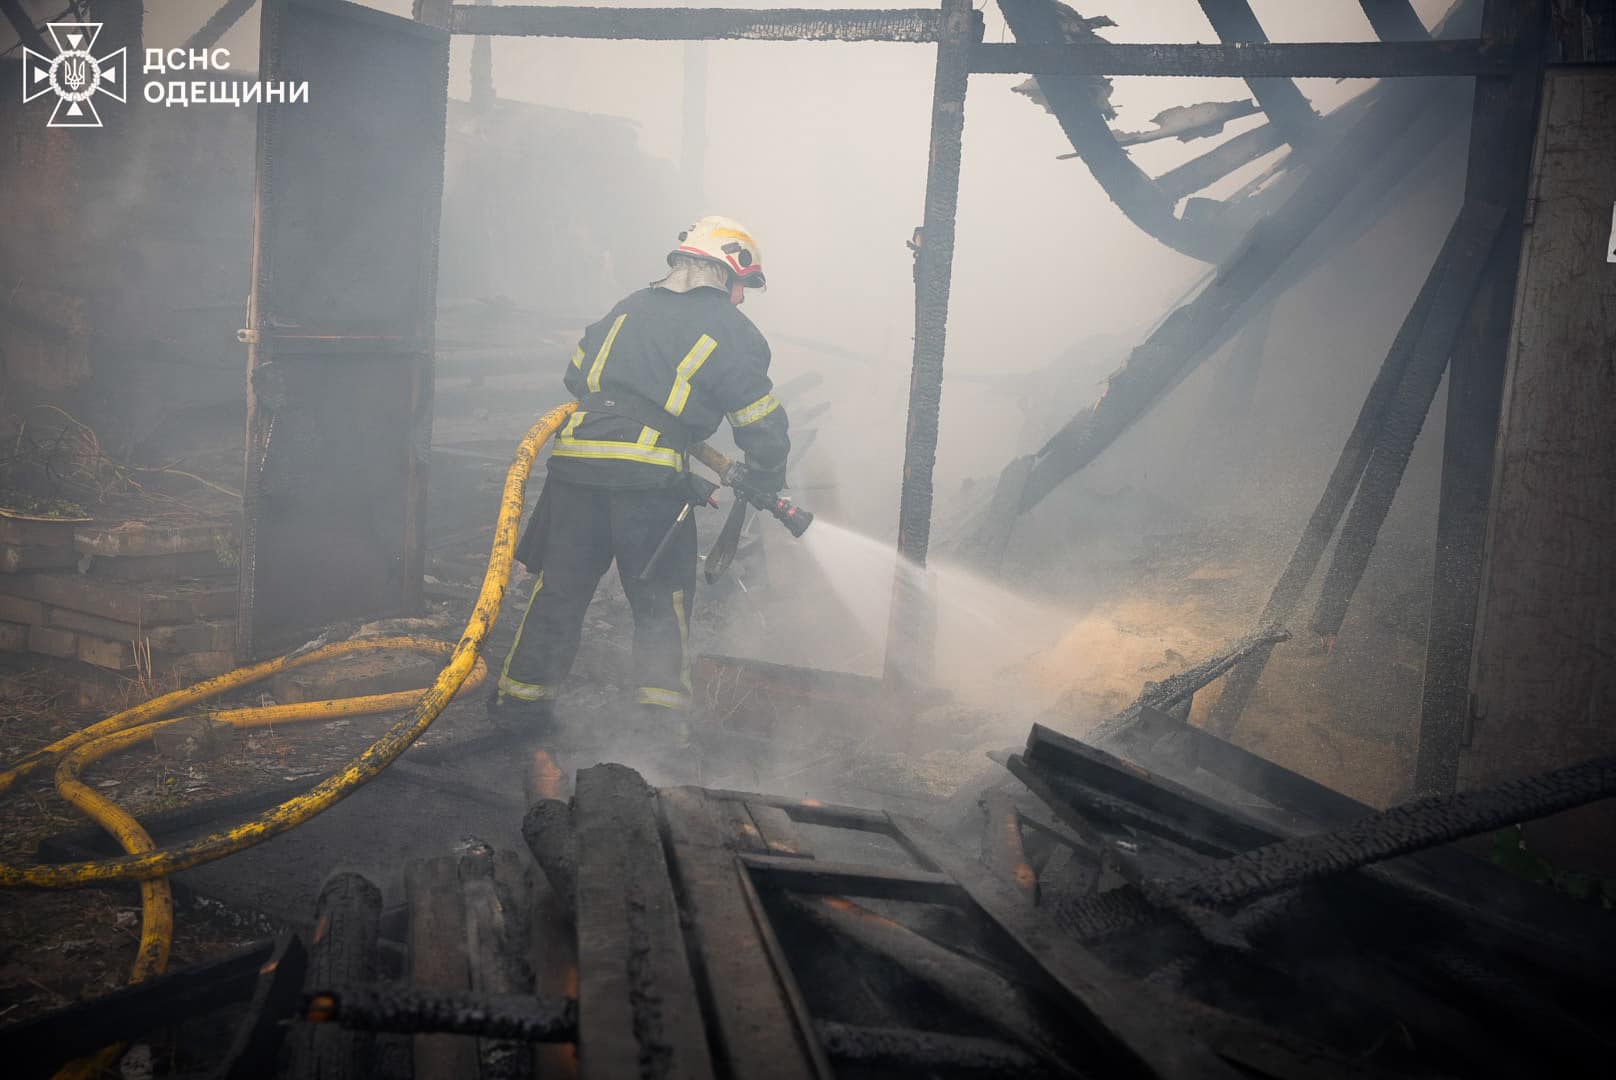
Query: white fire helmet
[[726, 242]]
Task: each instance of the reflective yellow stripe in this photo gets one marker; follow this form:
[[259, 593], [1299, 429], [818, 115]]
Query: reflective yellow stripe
[[668, 699], [697, 356], [600, 449], [516, 688], [649, 436], [578, 358], [684, 639], [572, 425], [521, 691], [754, 412], [605, 350]]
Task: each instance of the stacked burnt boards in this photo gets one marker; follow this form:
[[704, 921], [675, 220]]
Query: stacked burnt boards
[[158, 600], [1114, 923]]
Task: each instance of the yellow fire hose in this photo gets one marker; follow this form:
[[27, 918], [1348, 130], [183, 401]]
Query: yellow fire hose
[[149, 864]]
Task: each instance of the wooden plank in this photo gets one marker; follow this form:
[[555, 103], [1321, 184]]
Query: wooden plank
[[437, 952], [1501, 139], [1137, 1036], [637, 999], [35, 1047], [911, 624], [495, 939], [780, 836], [1200, 822], [1002, 849], [552, 953], [814, 812], [743, 829], [695, 24], [1544, 679], [852, 879], [757, 1033], [1275, 783], [262, 1030], [975, 989]]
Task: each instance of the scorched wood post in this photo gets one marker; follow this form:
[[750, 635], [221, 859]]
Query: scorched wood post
[[909, 646]]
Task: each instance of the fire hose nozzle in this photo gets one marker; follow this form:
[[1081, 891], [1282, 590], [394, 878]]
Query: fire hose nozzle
[[793, 517], [734, 474]]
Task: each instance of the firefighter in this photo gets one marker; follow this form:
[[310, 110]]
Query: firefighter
[[657, 374]]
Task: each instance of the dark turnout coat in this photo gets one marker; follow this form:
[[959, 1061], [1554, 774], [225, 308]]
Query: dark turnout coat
[[691, 355]]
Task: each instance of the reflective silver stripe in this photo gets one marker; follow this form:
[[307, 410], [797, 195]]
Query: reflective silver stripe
[[578, 358], [600, 449], [697, 356], [668, 699], [525, 691], [754, 412], [605, 350]]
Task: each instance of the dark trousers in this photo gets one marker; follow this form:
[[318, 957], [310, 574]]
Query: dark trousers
[[575, 535]]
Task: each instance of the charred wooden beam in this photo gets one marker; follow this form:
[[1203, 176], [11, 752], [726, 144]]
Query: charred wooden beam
[[344, 947], [1402, 830], [1133, 1038], [637, 997], [1198, 329], [1231, 154], [1394, 20], [412, 1010], [258, 1036], [1446, 294], [1405, 418], [1501, 135], [909, 647], [925, 1052], [1322, 60], [975, 988], [1204, 823], [814, 812], [36, 1046], [548, 832], [823, 877], [1178, 689], [1081, 106], [436, 943], [1287, 107], [1274, 783], [218, 24], [696, 24]]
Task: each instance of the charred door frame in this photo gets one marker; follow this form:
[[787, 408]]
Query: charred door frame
[[266, 339], [957, 31]]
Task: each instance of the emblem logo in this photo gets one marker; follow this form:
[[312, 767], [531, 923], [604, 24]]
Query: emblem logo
[[74, 74]]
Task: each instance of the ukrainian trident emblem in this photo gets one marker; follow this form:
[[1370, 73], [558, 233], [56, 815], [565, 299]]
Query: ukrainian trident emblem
[[74, 74]]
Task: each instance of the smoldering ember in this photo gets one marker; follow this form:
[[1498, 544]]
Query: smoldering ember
[[1021, 539]]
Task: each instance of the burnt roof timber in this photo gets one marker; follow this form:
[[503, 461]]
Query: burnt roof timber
[[1331, 60], [914, 25]]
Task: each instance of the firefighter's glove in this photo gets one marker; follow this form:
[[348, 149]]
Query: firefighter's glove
[[701, 490], [765, 481]]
